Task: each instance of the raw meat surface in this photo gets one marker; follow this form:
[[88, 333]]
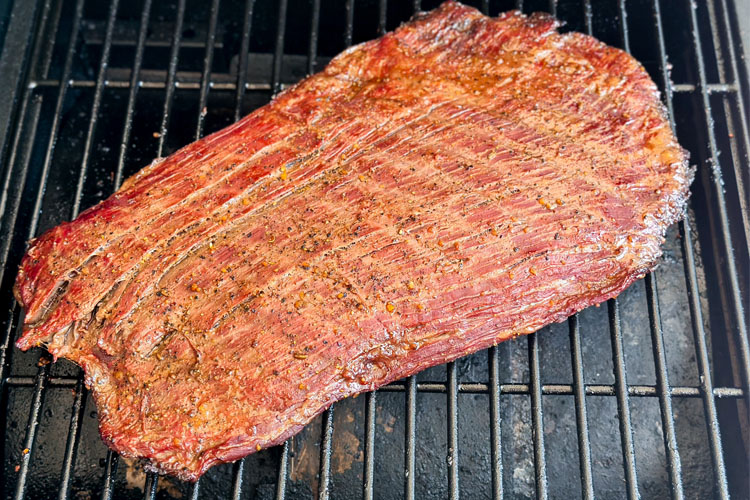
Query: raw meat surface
[[453, 184]]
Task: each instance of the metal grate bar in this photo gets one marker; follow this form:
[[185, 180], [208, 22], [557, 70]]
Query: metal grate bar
[[36, 406], [134, 86], [657, 343], [283, 466], [349, 29], [582, 426], [733, 276], [110, 469], [623, 400], [411, 438], [195, 490], [244, 50], [74, 433], [174, 55], [634, 390], [149, 489], [417, 5], [382, 10], [713, 23], [208, 61], [183, 83], [699, 334], [41, 376], [94, 113], [312, 47], [618, 352], [453, 431], [369, 472], [325, 455], [674, 465], [239, 467], [495, 425], [237, 471], [537, 422], [279, 48], [111, 460], [10, 209]]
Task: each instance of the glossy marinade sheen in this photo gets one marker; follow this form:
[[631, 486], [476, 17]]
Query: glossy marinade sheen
[[448, 186]]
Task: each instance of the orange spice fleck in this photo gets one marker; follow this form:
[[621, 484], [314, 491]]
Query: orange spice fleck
[[532, 270], [390, 307]]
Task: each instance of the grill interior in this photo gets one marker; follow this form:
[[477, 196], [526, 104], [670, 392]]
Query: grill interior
[[644, 396]]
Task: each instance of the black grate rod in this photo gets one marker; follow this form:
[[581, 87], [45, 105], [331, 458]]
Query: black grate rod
[[283, 472], [135, 77], [674, 465], [495, 424], [9, 215], [324, 491], [588, 17], [278, 51], [453, 484], [623, 25], [699, 334], [737, 307], [14, 315], [149, 489], [208, 61], [242, 59], [519, 5], [582, 425], [238, 470], [312, 46], [552, 7], [349, 30], [537, 418], [174, 55], [74, 434], [382, 16], [31, 428], [111, 460], [745, 132], [369, 467], [195, 490], [417, 5], [485, 8], [662, 381], [55, 126], [43, 371], [411, 438], [94, 114], [623, 400], [110, 470]]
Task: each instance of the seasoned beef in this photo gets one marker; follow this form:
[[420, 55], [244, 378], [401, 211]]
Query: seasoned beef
[[453, 184]]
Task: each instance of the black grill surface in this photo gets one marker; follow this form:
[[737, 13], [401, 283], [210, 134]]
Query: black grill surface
[[646, 396]]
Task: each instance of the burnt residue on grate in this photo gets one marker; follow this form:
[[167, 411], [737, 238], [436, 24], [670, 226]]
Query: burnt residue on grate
[[644, 396]]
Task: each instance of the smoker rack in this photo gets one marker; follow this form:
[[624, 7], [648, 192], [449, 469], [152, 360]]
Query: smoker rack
[[78, 78]]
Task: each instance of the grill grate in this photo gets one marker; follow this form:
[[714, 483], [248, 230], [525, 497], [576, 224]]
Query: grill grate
[[91, 92]]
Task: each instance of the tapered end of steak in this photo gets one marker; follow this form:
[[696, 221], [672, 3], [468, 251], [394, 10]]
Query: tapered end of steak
[[453, 184]]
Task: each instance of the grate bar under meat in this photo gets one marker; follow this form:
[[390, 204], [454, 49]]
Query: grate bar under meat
[[18, 160]]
